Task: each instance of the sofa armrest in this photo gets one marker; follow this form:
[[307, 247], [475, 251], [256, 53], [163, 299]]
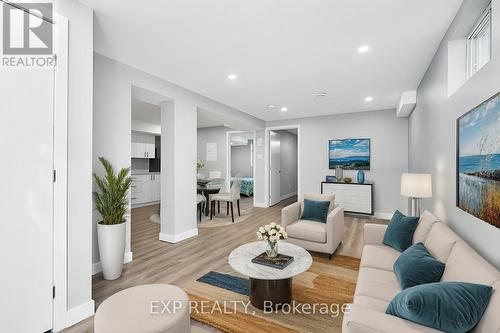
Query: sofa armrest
[[364, 320], [335, 222], [290, 214], [373, 233]]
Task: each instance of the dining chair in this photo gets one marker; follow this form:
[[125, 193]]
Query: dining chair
[[200, 202], [229, 198]]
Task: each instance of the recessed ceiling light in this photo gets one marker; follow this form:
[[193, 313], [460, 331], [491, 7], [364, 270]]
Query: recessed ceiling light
[[363, 48], [283, 109], [271, 106], [232, 77], [321, 94], [368, 99]]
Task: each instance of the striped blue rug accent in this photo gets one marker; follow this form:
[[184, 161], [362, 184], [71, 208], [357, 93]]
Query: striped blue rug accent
[[225, 281]]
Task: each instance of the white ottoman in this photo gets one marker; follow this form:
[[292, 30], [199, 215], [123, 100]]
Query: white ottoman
[[151, 308]]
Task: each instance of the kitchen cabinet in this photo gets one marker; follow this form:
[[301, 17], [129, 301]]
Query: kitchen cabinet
[[143, 146], [146, 188]]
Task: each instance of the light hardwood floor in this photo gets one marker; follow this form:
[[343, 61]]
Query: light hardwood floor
[[155, 261]]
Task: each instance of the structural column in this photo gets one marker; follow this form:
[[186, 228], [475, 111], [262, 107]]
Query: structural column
[[178, 171]]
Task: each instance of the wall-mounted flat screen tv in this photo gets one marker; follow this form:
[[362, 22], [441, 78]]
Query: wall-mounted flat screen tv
[[349, 154]]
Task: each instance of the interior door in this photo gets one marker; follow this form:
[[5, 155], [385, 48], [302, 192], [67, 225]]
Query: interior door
[[26, 198], [274, 168]]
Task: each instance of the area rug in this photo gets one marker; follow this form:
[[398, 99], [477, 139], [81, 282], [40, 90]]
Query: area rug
[[222, 219], [220, 299]]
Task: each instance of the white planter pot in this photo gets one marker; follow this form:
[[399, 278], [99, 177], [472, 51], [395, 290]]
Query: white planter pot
[[111, 240]]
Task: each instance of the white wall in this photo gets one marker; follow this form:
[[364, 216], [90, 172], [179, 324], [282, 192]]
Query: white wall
[[241, 160], [288, 163], [80, 73], [432, 128], [112, 116], [217, 135], [389, 152]]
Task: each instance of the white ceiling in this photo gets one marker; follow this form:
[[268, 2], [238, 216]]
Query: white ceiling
[[150, 113], [282, 51]]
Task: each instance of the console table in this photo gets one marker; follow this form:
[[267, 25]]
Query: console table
[[353, 197]]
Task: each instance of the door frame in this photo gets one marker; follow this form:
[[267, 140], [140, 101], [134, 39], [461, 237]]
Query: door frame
[[267, 164], [60, 205], [228, 159]]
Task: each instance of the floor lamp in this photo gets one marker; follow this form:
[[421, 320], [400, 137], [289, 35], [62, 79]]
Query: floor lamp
[[416, 186]]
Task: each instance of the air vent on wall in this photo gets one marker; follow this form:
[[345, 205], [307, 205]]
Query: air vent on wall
[[407, 103]]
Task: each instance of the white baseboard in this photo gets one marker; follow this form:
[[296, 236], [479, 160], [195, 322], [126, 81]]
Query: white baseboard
[[97, 268], [383, 216], [145, 204], [260, 205], [79, 313], [170, 238], [289, 195]]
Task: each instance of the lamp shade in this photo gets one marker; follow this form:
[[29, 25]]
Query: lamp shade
[[416, 185]]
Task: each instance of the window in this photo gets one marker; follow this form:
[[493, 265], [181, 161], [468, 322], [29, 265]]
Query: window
[[479, 44]]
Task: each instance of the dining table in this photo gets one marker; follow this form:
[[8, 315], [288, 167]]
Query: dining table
[[207, 187]]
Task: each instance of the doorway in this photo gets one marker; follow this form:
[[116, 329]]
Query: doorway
[[283, 179]]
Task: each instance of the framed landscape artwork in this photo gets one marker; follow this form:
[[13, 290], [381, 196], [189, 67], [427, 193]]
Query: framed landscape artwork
[[478, 161], [349, 154]]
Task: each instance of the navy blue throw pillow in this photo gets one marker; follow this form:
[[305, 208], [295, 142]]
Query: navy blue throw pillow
[[399, 233], [454, 307], [417, 266], [315, 210]]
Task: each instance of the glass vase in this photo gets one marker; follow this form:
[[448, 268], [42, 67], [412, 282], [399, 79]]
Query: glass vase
[[271, 249]]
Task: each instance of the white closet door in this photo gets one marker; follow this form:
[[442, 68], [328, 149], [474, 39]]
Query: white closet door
[[275, 168], [26, 199]]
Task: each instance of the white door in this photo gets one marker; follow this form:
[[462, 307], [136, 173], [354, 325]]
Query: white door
[[26, 199], [274, 168]]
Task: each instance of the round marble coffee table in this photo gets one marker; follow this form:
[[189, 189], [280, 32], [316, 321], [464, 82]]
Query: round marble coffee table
[[269, 287]]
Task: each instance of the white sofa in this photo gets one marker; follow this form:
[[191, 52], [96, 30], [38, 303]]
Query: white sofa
[[377, 283], [311, 235]]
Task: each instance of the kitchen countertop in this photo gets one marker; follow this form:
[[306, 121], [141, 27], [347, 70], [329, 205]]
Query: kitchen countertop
[[143, 172]]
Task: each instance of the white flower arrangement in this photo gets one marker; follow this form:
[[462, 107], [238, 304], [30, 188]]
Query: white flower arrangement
[[272, 232]]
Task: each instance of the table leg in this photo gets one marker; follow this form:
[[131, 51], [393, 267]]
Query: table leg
[[271, 294], [207, 204]]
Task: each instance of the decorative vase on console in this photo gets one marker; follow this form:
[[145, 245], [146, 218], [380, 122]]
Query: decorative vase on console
[[361, 176], [271, 234], [338, 173]]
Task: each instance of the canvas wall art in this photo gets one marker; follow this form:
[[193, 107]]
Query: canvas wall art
[[349, 154], [478, 161]]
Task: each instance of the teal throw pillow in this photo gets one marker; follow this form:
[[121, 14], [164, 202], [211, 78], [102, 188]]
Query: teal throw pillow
[[399, 233], [315, 210], [454, 307], [417, 266]]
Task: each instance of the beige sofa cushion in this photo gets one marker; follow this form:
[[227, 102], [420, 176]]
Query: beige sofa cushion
[[425, 223], [464, 264], [307, 230], [319, 197], [490, 322], [379, 256], [371, 303], [376, 283], [440, 241]]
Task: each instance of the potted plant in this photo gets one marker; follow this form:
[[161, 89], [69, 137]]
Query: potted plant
[[111, 201], [271, 234]]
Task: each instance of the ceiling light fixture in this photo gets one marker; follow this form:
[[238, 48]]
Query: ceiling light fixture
[[368, 99], [232, 77], [363, 48], [283, 109], [271, 106], [321, 94]]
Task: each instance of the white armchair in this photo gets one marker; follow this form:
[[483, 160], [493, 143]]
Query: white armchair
[[311, 235]]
